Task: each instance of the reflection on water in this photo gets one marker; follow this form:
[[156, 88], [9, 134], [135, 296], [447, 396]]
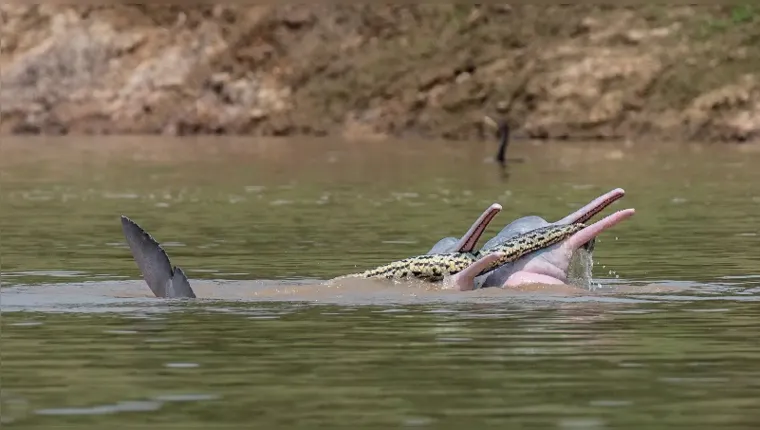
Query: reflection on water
[[664, 339]]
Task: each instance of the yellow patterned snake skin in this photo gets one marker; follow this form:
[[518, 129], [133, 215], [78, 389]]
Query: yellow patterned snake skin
[[433, 267]]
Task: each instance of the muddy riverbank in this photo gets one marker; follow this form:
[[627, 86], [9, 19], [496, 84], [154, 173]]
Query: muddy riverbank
[[649, 72]]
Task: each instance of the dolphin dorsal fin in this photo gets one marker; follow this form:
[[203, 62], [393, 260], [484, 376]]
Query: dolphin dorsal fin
[[163, 280]]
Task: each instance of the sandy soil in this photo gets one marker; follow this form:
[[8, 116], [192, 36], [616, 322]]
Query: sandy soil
[[362, 71]]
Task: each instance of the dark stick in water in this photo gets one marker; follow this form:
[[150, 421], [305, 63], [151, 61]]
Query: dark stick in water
[[502, 132]]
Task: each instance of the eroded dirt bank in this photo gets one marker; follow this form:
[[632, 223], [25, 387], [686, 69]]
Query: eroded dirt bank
[[372, 71]]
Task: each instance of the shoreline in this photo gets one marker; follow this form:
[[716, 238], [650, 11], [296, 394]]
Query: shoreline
[[382, 72]]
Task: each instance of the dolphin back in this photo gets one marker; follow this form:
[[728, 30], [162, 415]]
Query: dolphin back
[[164, 280], [444, 246]]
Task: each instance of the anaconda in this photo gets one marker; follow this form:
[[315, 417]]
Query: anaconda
[[435, 267]]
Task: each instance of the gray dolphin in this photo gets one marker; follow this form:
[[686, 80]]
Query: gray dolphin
[[518, 227], [468, 241], [525, 224]]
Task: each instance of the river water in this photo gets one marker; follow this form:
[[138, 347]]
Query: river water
[[666, 337]]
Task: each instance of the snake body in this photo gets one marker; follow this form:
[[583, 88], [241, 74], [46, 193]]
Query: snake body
[[434, 267]]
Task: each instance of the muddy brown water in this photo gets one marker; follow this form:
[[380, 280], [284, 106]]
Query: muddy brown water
[[665, 337]]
